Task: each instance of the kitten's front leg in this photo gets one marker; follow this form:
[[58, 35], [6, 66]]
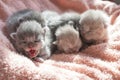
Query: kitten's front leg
[[44, 54], [39, 59]]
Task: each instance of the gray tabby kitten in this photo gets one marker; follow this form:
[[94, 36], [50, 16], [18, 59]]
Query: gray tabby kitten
[[31, 40], [93, 27], [29, 35]]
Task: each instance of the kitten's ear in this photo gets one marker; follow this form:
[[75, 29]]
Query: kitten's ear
[[45, 29], [20, 20], [13, 35], [55, 43], [106, 25], [71, 23]]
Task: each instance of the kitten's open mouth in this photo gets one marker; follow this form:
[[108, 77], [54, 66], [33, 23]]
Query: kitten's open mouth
[[32, 53]]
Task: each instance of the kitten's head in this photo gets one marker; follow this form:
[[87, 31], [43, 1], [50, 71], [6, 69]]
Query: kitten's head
[[67, 39], [93, 25], [29, 37]]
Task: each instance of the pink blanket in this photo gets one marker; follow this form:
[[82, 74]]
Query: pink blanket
[[97, 62]]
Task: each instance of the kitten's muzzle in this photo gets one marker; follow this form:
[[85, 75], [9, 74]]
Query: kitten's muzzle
[[32, 53]]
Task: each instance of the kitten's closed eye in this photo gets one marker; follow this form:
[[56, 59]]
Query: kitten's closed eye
[[36, 41], [23, 42]]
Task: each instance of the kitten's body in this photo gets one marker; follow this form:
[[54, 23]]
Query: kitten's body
[[93, 27], [61, 19], [54, 19], [25, 27], [51, 17]]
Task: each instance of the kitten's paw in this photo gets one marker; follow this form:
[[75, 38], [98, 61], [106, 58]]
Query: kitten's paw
[[41, 60]]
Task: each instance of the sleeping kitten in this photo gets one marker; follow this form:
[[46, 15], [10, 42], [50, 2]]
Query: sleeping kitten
[[31, 40], [67, 38], [93, 27]]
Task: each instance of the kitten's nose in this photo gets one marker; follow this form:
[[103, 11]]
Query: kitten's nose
[[70, 51], [73, 50], [30, 45]]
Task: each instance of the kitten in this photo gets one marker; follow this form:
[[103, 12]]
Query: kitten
[[67, 38], [28, 19], [31, 39], [93, 26]]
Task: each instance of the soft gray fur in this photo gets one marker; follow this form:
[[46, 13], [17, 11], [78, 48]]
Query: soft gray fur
[[60, 28], [14, 20], [31, 36], [71, 16], [62, 19], [29, 24], [93, 27], [67, 39], [54, 19], [51, 17]]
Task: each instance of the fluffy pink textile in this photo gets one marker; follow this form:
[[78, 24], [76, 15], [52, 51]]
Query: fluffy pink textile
[[97, 62]]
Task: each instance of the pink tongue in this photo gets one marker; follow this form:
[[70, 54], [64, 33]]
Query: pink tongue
[[32, 52]]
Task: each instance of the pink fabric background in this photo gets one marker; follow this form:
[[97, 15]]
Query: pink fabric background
[[98, 62]]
